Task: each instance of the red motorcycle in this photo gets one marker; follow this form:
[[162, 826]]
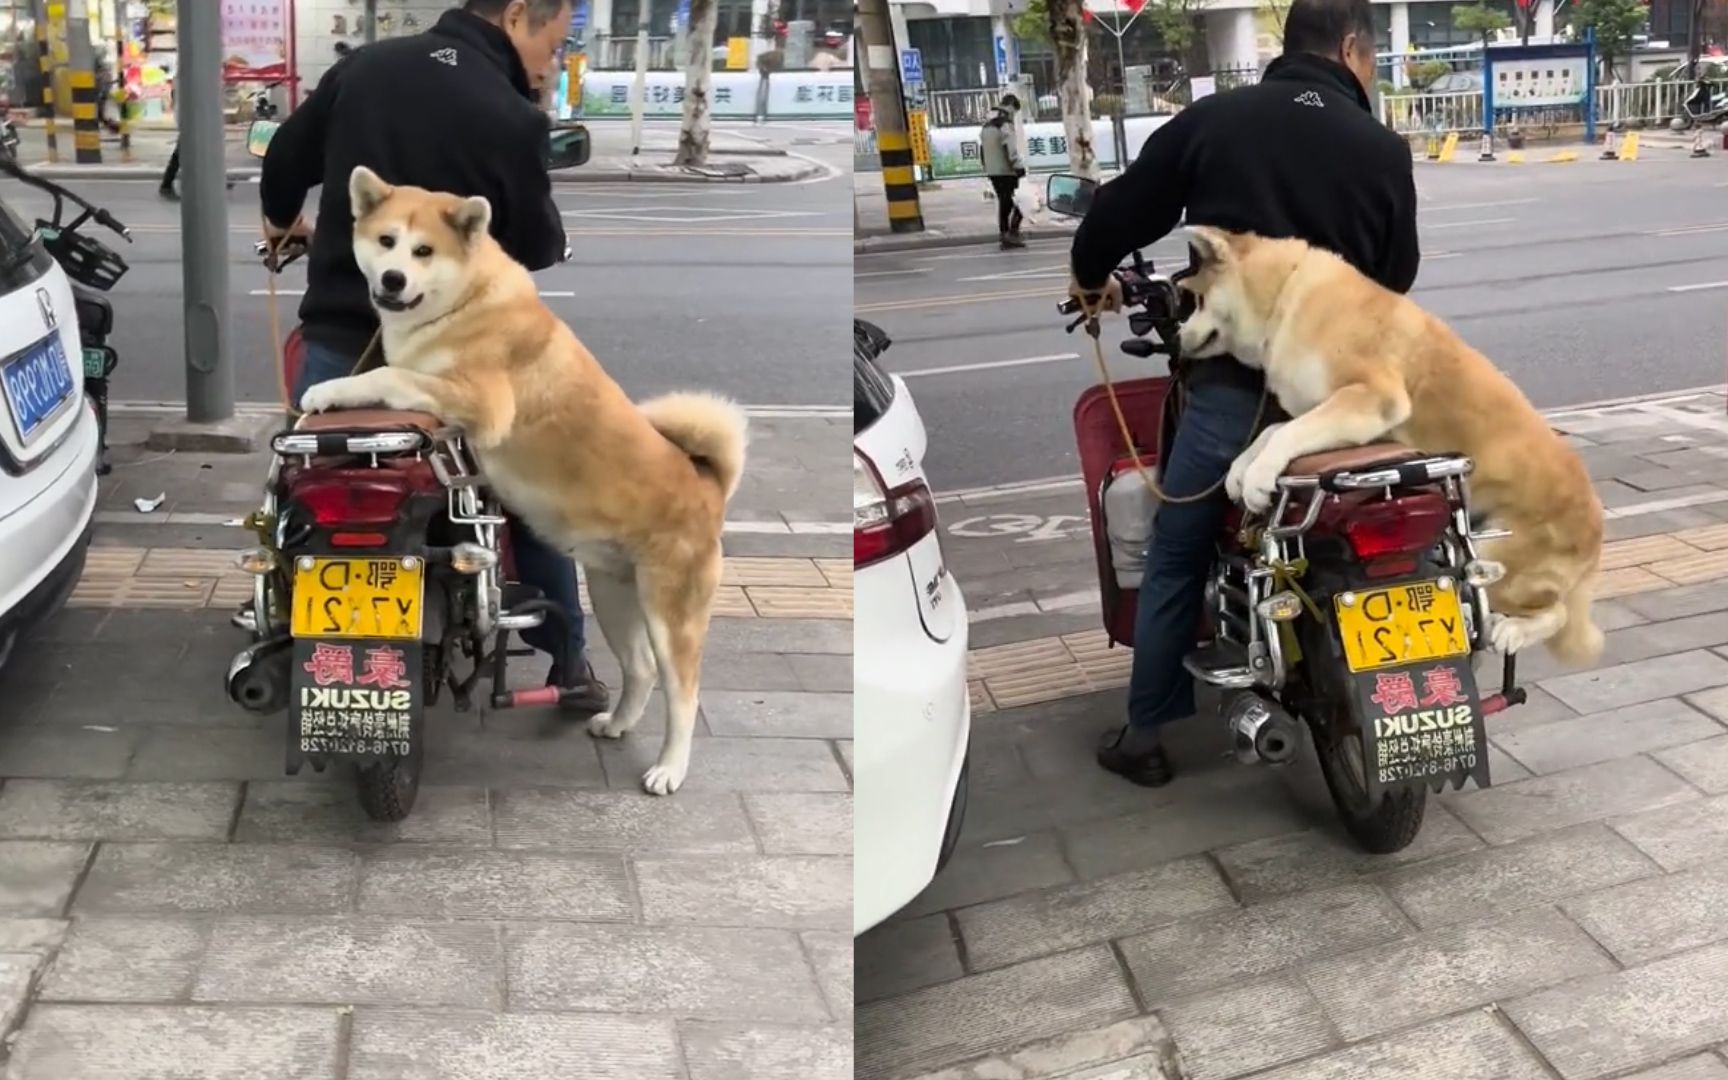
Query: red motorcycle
[[1355, 606]]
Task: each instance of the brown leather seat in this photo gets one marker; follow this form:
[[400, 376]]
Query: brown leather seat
[[370, 420], [1351, 459]]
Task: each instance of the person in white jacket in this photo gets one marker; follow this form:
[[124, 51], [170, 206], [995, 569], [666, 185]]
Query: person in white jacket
[[1004, 168]]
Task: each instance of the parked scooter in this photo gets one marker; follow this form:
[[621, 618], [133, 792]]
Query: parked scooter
[[1704, 107], [94, 268], [1354, 608]]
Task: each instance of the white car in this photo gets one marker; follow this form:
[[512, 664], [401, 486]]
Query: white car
[[912, 719], [48, 435]]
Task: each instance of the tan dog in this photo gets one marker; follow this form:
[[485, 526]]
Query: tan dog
[[1356, 363], [637, 494]]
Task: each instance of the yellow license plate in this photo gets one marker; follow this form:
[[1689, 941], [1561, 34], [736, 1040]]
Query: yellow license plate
[[1405, 624], [358, 598]]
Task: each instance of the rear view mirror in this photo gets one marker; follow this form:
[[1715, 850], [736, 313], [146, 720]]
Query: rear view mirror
[[1069, 195], [258, 136], [568, 147]]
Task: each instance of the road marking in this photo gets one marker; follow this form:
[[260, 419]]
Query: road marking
[[948, 301], [1014, 489], [688, 215], [1692, 230], [1699, 287], [1025, 528], [1430, 256], [1476, 205], [710, 232], [894, 273], [988, 365], [1470, 224], [1058, 270]]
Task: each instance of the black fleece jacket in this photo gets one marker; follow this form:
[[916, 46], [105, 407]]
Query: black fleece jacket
[[450, 110], [1297, 155]]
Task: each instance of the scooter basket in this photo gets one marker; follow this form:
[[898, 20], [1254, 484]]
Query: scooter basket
[[86, 260]]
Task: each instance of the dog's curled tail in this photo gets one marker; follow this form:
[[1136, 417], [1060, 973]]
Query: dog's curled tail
[[1579, 641], [711, 429]]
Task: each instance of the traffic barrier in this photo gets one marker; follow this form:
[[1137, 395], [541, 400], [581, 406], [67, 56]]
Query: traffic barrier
[[1487, 153], [1629, 148], [1433, 150], [1515, 157], [1698, 148], [1449, 148], [1563, 157], [1609, 150]]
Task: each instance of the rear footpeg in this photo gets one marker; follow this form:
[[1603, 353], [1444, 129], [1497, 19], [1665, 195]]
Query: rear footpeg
[[1220, 666], [1261, 731]]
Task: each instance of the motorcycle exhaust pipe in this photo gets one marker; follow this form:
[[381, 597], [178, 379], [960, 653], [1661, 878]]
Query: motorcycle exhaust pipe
[[258, 677], [1261, 731]]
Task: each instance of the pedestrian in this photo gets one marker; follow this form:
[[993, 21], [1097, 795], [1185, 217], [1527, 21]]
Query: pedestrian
[[1002, 164], [1298, 155], [476, 73]]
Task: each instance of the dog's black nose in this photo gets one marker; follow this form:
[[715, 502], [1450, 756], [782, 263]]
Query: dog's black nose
[[393, 281]]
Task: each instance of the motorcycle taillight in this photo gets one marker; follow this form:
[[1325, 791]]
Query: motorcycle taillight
[[338, 500], [1403, 526]]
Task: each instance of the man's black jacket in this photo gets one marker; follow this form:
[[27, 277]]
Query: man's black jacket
[[1297, 155], [450, 110]]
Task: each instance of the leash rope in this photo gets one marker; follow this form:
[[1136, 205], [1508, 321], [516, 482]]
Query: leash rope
[[275, 247]]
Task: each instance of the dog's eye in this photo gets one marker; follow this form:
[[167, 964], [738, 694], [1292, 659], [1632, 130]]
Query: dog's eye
[[424, 251], [386, 241]]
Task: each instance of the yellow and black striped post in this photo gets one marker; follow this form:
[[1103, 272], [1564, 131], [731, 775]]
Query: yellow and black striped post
[[899, 182], [45, 57], [86, 135]]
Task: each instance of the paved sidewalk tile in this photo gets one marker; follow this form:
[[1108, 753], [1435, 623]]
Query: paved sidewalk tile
[[392, 1044], [1527, 807], [762, 1052], [1645, 920], [1248, 1027], [129, 1042], [1470, 1046], [253, 879]]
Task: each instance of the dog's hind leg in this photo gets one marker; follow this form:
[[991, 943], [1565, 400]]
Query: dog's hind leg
[[618, 608], [677, 602], [1529, 609]]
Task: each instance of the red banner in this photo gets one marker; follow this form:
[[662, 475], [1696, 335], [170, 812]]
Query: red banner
[[256, 39]]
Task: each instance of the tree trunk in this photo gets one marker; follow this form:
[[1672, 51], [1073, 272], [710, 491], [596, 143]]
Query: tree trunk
[[1068, 39], [698, 83]]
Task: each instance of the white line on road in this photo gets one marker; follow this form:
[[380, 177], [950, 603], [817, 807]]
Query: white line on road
[[1476, 205], [988, 365], [894, 273], [1470, 224], [1035, 245], [1055, 270], [1692, 230], [1699, 287]]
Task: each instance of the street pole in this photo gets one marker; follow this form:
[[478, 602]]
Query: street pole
[[204, 215], [639, 92], [371, 21], [888, 112], [81, 54]]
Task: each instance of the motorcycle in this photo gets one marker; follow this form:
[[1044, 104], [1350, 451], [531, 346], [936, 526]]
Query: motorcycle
[[1705, 107], [94, 268], [381, 578], [1354, 607]]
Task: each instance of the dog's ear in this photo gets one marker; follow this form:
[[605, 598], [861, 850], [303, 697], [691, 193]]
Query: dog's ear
[[366, 190], [1207, 247], [470, 217]]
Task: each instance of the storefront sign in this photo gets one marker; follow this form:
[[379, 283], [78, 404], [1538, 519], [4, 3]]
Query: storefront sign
[[791, 94], [1531, 84], [255, 39], [956, 151]]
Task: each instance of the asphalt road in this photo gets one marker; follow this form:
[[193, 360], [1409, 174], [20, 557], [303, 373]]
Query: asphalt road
[[1583, 281], [740, 288]]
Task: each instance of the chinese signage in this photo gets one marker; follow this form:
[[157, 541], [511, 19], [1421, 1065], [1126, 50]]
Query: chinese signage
[[1527, 84], [255, 39], [1422, 725], [956, 151], [355, 697], [918, 127], [791, 94]]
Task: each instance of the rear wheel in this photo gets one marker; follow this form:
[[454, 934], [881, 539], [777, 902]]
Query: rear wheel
[[388, 788], [1381, 827]]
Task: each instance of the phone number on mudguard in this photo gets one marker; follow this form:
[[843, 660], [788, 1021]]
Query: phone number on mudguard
[[324, 744]]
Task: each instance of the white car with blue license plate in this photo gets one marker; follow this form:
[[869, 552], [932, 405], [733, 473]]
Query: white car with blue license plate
[[912, 719], [48, 435]]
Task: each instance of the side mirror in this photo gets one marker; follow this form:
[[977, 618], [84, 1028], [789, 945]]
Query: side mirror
[[1069, 195], [568, 147], [258, 136]]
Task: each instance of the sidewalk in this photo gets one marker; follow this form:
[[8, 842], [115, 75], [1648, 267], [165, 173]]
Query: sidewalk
[[734, 157], [172, 904], [956, 212], [1565, 922]]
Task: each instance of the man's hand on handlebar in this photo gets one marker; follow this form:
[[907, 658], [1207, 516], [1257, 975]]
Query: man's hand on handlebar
[[1093, 302], [282, 246]]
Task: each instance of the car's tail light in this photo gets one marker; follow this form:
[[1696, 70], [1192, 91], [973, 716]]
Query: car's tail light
[[348, 500], [886, 523], [1392, 533]]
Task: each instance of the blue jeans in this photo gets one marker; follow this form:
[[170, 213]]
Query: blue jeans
[[537, 562], [1213, 430]]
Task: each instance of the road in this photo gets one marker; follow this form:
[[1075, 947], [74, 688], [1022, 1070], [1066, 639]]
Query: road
[[653, 264], [1582, 281]]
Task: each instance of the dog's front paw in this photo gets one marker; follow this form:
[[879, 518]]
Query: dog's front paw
[[1258, 485], [1233, 482], [1512, 634], [332, 394], [600, 726], [664, 779]]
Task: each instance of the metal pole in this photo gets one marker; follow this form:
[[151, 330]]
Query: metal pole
[[639, 91], [371, 21], [81, 51], [204, 215], [888, 113]]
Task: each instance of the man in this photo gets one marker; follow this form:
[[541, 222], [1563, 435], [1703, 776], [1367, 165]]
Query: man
[[1298, 155], [470, 126], [1003, 166]]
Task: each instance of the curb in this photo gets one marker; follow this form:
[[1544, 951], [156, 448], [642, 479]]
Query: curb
[[154, 172], [936, 238]]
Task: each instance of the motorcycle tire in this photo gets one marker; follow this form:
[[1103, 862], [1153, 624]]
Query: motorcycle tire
[[388, 788], [1388, 826]]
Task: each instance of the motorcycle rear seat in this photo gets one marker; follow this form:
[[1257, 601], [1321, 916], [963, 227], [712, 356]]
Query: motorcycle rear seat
[[1352, 459], [370, 420]]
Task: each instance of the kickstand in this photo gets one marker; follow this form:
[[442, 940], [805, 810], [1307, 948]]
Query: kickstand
[[1509, 688]]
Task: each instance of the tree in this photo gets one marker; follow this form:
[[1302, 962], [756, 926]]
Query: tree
[[1479, 18], [1272, 14], [1614, 23], [698, 83], [1067, 30]]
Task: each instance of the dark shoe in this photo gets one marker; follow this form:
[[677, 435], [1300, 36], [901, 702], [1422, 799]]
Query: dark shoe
[[584, 695], [1010, 240], [168, 193], [1136, 754]]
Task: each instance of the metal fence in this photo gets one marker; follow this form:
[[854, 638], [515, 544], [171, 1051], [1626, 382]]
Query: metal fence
[[1622, 104]]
